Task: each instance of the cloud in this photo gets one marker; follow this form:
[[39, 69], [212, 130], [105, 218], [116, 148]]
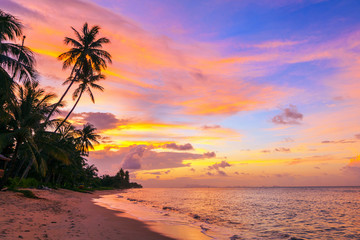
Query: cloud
[[150, 71], [209, 154], [198, 75], [179, 147], [153, 173], [101, 120], [207, 127], [222, 164], [289, 115], [353, 167], [158, 172], [20, 9], [338, 98], [296, 161], [138, 157], [340, 141], [357, 136], [222, 173], [288, 139], [282, 149], [106, 140], [133, 159], [279, 149], [276, 44]]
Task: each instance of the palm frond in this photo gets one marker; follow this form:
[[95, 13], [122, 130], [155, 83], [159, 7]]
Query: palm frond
[[10, 27]]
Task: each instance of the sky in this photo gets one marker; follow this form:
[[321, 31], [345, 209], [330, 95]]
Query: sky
[[218, 93]]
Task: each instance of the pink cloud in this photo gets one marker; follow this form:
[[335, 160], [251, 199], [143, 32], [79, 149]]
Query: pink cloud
[[276, 44], [206, 127], [150, 71]]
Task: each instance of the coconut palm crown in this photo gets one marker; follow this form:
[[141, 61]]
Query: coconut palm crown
[[86, 49]]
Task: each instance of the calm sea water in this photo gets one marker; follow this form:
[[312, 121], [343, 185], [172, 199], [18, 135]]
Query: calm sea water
[[249, 213]]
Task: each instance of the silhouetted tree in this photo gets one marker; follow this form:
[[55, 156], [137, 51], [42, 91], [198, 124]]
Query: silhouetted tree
[[88, 81], [86, 49]]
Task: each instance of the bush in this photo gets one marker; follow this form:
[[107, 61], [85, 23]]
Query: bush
[[24, 183]]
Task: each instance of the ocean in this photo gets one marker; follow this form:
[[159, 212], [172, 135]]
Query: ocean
[[246, 213]]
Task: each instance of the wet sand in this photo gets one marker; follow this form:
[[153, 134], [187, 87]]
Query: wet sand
[[64, 214]]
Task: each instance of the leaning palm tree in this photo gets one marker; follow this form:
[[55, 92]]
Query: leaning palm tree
[[87, 137], [85, 48], [88, 82]]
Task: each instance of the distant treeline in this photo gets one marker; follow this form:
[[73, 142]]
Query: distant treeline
[[36, 146]]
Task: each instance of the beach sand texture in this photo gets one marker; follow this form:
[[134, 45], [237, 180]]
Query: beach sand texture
[[64, 214]]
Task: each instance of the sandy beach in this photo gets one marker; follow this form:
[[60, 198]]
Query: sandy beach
[[64, 214]]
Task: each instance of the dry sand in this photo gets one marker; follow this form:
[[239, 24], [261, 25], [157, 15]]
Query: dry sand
[[64, 214]]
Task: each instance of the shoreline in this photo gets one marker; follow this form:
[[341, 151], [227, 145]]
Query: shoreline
[[171, 228], [65, 214]]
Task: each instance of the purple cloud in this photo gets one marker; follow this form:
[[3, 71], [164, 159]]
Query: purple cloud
[[289, 115], [340, 141], [222, 164], [222, 173], [100, 120], [139, 157], [282, 149], [175, 146], [133, 159], [209, 154]]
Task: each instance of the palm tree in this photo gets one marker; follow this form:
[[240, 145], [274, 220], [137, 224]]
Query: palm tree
[[26, 114], [16, 60], [85, 49], [10, 27], [88, 81], [87, 137]]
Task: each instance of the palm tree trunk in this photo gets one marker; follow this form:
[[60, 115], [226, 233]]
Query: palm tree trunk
[[47, 179], [13, 159], [68, 115], [19, 168], [59, 178], [62, 97], [12, 165], [27, 169]]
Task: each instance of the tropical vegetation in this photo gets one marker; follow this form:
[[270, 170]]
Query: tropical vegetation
[[43, 149]]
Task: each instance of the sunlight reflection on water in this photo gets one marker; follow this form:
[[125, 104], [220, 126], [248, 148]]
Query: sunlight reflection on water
[[250, 213]]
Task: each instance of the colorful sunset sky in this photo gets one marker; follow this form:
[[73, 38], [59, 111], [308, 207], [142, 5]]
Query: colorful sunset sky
[[214, 92]]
